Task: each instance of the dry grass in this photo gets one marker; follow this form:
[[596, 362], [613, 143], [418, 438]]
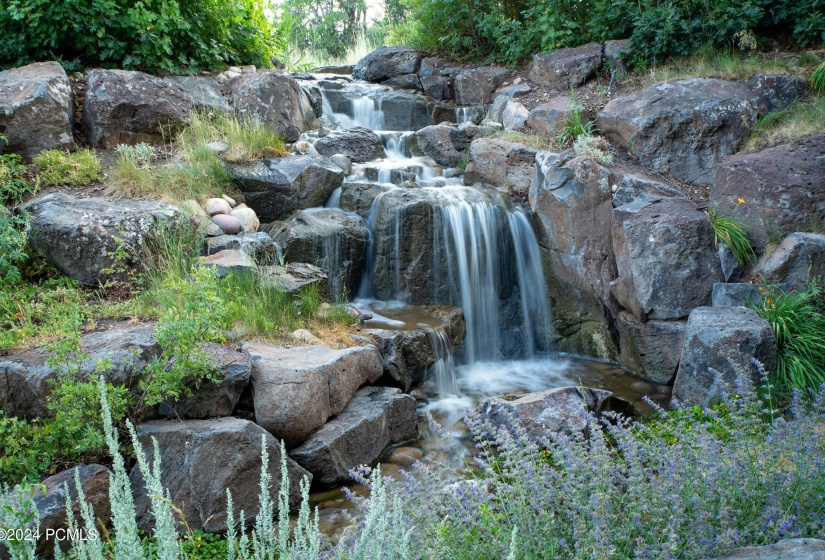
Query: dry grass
[[535, 140], [800, 120]]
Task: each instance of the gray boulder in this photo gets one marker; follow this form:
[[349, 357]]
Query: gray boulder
[[404, 110], [359, 144], [774, 93], [684, 127], [445, 143], [259, 245], [548, 117], [276, 187], [407, 81], [652, 349], [783, 188], [94, 480], [202, 459], [36, 109], [617, 53], [736, 295], [661, 244], [501, 163], [723, 339], [358, 197], [387, 62], [294, 277], [514, 115], [374, 419], [296, 390], [205, 91], [476, 86], [566, 68], [437, 87], [796, 261], [273, 97], [564, 410], [512, 92], [431, 66], [334, 240], [634, 187], [571, 199], [124, 107], [229, 261], [786, 549], [83, 237], [343, 69]]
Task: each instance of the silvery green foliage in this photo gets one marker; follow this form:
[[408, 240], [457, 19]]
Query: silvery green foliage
[[125, 534], [165, 532], [18, 513], [141, 154], [92, 548]]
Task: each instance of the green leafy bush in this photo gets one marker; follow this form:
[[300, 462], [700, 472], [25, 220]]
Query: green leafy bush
[[13, 251], [13, 183], [169, 35], [56, 167]]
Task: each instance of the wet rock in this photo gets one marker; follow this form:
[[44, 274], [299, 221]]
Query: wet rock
[[342, 161], [617, 53], [683, 127], [774, 93], [358, 144], [294, 277], [786, 549], [229, 261], [444, 143], [636, 187], [796, 261], [334, 240], [406, 355], [407, 81], [404, 110], [36, 109], [374, 419], [387, 62], [571, 197], [259, 245], [204, 458], [661, 244], [276, 187], [564, 410], [273, 97], [405, 456], [652, 349], [566, 68], [124, 107], [437, 87], [782, 188], [82, 237], [548, 117], [358, 197], [475, 86], [296, 390], [723, 339], [94, 480], [229, 224], [206, 92], [501, 163]]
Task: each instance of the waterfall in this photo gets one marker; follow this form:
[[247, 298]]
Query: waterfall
[[462, 114], [363, 111], [443, 370]]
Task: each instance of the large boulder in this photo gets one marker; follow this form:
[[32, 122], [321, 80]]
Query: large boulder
[[36, 109], [683, 127], [259, 245], [660, 244], [634, 186], [359, 144], [125, 107], [95, 240], [783, 188], [651, 350], [296, 390], [796, 261], [571, 198], [387, 62], [548, 117], [404, 110], [276, 187], [358, 197], [567, 68], [334, 240], [51, 505], [722, 340], [501, 163], [437, 87], [565, 410], [373, 420], [445, 143], [407, 81], [205, 91], [202, 459], [476, 86], [273, 97], [774, 93], [786, 549]]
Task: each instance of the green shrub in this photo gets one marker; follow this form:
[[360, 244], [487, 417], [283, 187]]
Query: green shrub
[[798, 320], [13, 246], [13, 183], [55, 167], [730, 231], [169, 35]]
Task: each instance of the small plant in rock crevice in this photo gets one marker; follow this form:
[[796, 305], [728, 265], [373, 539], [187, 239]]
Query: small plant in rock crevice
[[595, 147], [574, 126], [731, 232]]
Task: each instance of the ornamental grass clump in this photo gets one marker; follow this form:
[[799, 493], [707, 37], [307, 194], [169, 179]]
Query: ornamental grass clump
[[731, 232]]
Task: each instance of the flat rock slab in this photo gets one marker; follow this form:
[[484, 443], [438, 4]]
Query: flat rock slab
[[786, 549], [723, 339], [564, 410], [36, 109], [567, 68], [294, 277], [201, 459], [296, 390], [375, 418], [81, 237], [683, 127], [230, 261], [125, 107]]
